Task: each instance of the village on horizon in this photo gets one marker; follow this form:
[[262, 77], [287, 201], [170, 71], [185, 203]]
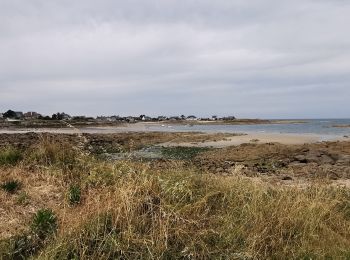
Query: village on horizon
[[11, 115]]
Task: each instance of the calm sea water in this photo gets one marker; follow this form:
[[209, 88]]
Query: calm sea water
[[323, 127]]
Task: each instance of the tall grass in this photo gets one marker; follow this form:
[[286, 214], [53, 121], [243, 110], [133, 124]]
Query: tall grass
[[53, 152], [131, 211], [180, 214]]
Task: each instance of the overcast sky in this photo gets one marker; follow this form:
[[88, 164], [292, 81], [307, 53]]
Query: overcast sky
[[256, 58]]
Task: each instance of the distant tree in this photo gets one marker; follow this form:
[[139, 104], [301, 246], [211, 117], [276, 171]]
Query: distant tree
[[44, 117], [57, 116], [54, 116], [10, 114]]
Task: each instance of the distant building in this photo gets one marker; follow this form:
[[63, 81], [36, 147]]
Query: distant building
[[111, 119], [31, 115], [19, 115]]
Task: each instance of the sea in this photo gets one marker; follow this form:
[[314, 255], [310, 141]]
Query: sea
[[324, 128], [320, 127]]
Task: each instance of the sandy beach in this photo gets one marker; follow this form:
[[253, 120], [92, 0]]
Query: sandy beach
[[253, 138]]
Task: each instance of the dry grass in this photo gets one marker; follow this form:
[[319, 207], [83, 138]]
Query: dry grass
[[130, 210]]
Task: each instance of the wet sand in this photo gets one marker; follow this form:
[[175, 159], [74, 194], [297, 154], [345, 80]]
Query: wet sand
[[254, 138]]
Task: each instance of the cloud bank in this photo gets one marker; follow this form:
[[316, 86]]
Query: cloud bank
[[259, 58]]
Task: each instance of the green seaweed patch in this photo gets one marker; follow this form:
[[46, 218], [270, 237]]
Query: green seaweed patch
[[182, 153]]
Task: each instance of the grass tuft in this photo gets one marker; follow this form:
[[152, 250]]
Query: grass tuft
[[10, 156], [11, 186], [44, 223], [74, 194]]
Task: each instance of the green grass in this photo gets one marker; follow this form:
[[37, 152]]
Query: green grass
[[44, 223], [74, 194], [11, 186], [10, 156]]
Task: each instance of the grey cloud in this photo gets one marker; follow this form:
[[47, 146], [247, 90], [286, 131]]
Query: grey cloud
[[261, 58]]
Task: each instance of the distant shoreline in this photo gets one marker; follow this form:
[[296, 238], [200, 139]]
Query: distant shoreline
[[57, 124]]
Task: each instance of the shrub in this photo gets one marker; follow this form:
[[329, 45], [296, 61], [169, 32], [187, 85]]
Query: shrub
[[11, 186], [10, 156], [44, 223]]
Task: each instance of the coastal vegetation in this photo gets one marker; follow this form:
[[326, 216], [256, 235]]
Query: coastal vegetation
[[61, 201], [9, 156]]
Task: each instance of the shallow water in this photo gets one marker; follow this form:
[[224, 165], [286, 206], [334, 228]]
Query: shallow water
[[320, 127], [323, 127]]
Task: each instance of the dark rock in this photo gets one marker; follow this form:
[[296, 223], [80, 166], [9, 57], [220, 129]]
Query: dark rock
[[344, 159], [326, 159], [334, 176], [300, 158], [219, 170], [297, 164], [287, 178]]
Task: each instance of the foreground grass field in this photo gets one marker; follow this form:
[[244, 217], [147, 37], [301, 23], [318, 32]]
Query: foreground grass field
[[58, 202]]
